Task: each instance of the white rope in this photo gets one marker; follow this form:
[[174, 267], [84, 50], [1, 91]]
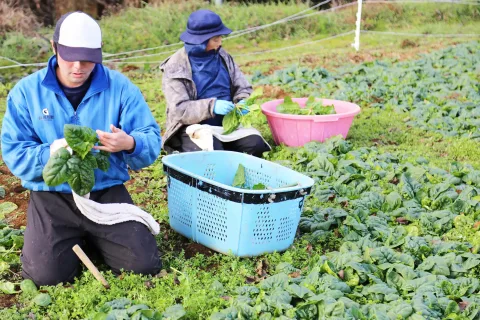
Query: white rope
[[242, 32], [286, 19], [296, 45], [293, 17], [248, 30], [137, 62], [141, 50], [11, 60], [438, 35], [142, 56], [258, 52], [40, 64], [288, 47]]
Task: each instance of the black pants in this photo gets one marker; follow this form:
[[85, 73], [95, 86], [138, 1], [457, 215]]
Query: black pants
[[55, 225], [253, 145]]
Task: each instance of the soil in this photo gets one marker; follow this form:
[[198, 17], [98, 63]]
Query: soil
[[180, 243], [273, 92], [7, 300], [14, 192], [407, 50]]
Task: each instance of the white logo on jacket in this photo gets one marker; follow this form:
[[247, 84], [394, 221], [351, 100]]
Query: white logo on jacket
[[45, 112]]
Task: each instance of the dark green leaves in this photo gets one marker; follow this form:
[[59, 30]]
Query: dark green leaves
[[102, 160], [80, 139], [82, 177], [78, 168], [174, 312], [56, 170], [235, 118], [122, 308]]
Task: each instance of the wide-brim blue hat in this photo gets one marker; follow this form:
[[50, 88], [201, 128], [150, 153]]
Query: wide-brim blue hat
[[202, 25]]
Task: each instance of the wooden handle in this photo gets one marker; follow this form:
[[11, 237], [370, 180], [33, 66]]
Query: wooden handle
[[82, 256]]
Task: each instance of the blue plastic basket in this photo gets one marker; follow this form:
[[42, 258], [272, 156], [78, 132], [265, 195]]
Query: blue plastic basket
[[204, 207]]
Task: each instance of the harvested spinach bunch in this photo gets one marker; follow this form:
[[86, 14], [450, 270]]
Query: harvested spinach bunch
[[77, 168], [312, 107], [233, 119]]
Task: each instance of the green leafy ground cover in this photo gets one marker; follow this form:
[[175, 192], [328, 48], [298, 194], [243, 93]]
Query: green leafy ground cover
[[77, 168], [389, 232], [409, 240], [440, 91], [385, 235]]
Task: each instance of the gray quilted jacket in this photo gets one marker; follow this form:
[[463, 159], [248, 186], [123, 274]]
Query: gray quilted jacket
[[183, 108]]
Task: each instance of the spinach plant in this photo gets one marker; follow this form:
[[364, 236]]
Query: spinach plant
[[232, 120], [239, 180], [312, 107], [77, 168]]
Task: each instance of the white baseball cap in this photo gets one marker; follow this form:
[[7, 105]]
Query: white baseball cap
[[78, 37]]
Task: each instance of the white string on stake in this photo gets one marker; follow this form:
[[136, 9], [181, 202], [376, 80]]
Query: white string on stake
[[356, 44], [287, 19], [292, 19], [296, 45], [324, 39], [248, 30]]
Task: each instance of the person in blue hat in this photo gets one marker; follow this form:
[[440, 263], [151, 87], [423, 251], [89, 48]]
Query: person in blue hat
[[201, 84]]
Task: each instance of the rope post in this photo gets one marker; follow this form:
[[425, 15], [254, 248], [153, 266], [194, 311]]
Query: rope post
[[356, 44]]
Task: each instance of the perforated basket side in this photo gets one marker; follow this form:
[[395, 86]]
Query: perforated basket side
[[181, 206], [269, 227], [217, 222]]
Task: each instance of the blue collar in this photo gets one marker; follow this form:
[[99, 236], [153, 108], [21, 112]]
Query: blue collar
[[99, 83]]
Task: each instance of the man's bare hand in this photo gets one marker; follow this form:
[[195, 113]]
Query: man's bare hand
[[117, 140]]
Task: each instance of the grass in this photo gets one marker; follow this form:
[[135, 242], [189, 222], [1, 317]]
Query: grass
[[387, 130], [126, 31]]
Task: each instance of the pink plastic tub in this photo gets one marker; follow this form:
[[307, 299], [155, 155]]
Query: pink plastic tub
[[296, 130]]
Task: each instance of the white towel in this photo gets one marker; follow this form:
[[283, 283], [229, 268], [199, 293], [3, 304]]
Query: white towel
[[202, 135], [113, 213]]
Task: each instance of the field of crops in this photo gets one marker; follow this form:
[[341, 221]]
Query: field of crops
[[390, 231]]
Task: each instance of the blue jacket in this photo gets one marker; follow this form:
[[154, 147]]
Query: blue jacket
[[37, 110]]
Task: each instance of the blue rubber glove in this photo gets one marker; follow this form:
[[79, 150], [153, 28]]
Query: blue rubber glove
[[243, 104], [223, 107]]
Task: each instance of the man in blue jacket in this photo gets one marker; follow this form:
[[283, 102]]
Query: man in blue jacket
[[75, 88]]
